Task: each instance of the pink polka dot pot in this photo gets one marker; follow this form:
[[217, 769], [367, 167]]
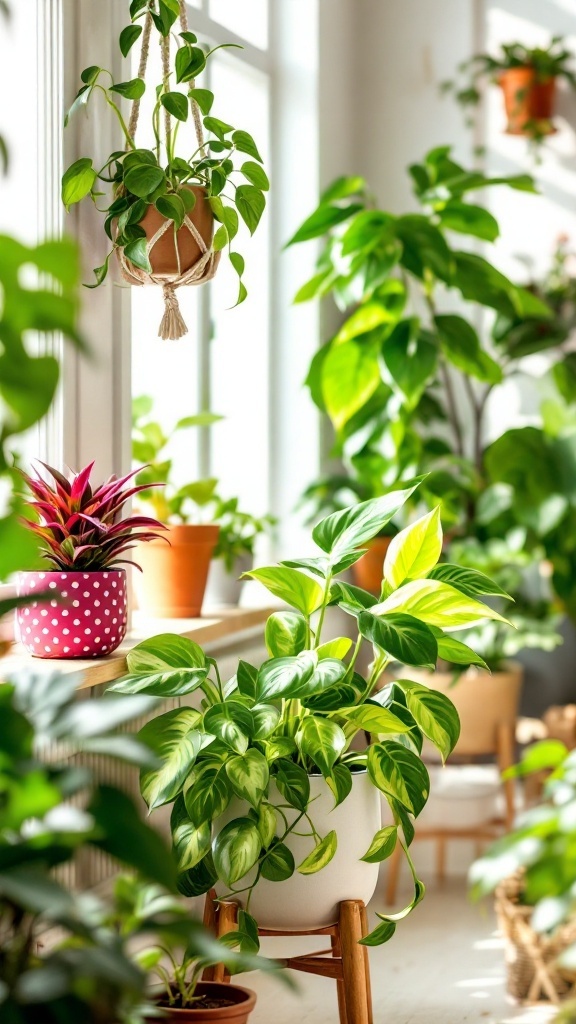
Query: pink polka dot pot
[[72, 614]]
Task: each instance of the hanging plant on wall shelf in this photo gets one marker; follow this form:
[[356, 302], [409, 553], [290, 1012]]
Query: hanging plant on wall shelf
[[160, 218]]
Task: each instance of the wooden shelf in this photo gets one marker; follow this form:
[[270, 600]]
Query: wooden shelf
[[215, 628]]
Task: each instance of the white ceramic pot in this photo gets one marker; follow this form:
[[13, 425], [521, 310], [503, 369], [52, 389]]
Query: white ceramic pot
[[311, 901], [224, 587]]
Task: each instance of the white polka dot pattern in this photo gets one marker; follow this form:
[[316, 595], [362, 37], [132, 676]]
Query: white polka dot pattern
[[46, 627]]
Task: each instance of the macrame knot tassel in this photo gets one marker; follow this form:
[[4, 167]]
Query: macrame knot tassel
[[173, 325]]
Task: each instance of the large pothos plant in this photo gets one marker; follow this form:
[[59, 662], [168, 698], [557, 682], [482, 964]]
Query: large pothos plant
[[228, 164], [298, 713]]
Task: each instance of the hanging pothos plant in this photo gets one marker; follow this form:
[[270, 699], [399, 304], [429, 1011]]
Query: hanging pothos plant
[[162, 206]]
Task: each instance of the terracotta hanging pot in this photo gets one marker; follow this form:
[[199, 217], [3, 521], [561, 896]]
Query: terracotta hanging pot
[[368, 570], [173, 578], [238, 1005], [529, 101], [175, 253]]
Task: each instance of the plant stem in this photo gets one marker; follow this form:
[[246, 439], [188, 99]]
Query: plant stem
[[121, 120], [323, 608]]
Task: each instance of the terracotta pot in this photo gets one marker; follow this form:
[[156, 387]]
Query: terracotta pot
[[311, 901], [225, 587], [243, 1000], [82, 616], [528, 99], [174, 576], [165, 252], [483, 701], [368, 571]]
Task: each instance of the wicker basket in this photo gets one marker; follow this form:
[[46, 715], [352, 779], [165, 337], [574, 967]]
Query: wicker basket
[[531, 969]]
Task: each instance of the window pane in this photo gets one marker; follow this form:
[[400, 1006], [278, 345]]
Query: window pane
[[239, 349], [249, 20]]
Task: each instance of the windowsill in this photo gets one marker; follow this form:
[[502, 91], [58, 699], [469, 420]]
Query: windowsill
[[215, 629]]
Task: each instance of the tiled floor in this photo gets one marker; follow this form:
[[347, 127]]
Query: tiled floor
[[444, 966]]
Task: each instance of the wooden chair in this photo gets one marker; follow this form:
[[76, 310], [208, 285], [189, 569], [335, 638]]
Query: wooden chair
[[488, 707], [346, 961]]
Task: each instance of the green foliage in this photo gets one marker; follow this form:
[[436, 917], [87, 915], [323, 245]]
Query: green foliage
[[28, 377], [541, 845], [238, 531], [407, 380], [251, 749], [140, 179]]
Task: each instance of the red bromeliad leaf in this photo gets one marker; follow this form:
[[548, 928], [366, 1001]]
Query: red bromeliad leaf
[[80, 527]]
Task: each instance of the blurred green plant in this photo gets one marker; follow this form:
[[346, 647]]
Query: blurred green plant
[[238, 531]]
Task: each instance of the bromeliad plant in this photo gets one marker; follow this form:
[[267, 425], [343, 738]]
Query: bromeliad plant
[[299, 713], [80, 528], [158, 178]]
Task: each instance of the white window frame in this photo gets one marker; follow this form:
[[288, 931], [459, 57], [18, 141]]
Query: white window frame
[[92, 418]]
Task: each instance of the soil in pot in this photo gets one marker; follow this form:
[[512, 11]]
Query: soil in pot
[[529, 101], [173, 254], [218, 1002], [72, 614], [368, 570], [174, 575]]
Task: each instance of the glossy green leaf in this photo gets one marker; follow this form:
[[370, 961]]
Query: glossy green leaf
[[374, 718], [236, 849], [136, 252], [248, 775], [293, 783], [171, 207], [469, 220], [191, 844], [267, 820], [471, 582], [415, 550], [256, 175], [382, 846], [462, 347], [278, 865], [128, 37], [209, 794], [434, 714], [164, 651], [410, 358], [291, 586], [403, 636], [247, 679], [77, 181], [436, 604], [322, 220], [343, 531], [132, 90], [320, 856], [231, 722], [204, 98], [264, 720], [350, 375], [322, 740], [175, 739], [337, 648], [379, 935], [245, 144], [399, 773], [340, 783], [142, 179], [285, 634], [457, 653], [250, 203], [171, 683]]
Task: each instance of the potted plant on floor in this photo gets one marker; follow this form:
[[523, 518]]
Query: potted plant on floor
[[532, 872], [160, 214], [77, 603], [271, 803], [234, 552], [527, 77], [175, 577]]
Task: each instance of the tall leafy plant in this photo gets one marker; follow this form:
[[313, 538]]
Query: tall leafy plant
[[258, 737], [407, 379]]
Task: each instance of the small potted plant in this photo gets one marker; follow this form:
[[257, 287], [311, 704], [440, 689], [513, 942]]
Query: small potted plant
[[175, 576], [272, 802], [527, 77], [77, 604], [234, 551], [531, 871], [159, 217]]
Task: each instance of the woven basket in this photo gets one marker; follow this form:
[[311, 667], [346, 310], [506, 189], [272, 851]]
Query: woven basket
[[531, 969]]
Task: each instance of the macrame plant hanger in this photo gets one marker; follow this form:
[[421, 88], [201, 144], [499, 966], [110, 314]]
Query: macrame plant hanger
[[172, 326]]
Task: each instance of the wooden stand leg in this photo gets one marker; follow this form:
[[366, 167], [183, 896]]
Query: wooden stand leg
[[365, 930], [393, 874], [337, 952], [440, 858], [209, 922], [353, 963], [506, 742], [226, 922]]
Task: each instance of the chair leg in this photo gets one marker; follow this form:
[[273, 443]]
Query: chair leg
[[340, 991], [394, 865], [506, 742], [353, 962], [365, 930], [226, 922]]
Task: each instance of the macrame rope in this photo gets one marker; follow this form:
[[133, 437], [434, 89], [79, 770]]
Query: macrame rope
[[173, 325]]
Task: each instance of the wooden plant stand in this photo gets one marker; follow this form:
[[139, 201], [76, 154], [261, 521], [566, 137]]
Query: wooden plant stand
[[346, 961]]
